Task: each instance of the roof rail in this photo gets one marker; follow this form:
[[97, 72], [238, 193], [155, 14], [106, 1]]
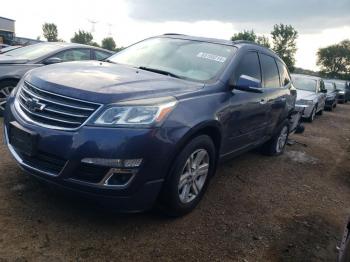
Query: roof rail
[[246, 42], [172, 34]]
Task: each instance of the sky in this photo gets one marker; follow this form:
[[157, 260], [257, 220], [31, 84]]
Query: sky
[[319, 22]]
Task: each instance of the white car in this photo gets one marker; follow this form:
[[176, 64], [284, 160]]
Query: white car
[[311, 95]]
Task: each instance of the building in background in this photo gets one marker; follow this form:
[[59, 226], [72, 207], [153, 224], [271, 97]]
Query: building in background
[[7, 30]]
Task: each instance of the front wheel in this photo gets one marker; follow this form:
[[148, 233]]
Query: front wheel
[[312, 116], [6, 88], [275, 146], [189, 177]]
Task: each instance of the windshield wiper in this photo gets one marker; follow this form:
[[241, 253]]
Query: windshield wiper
[[159, 71]]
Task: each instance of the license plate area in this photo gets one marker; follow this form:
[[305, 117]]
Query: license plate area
[[22, 139]]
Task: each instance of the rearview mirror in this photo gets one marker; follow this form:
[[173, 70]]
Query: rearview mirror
[[248, 84], [52, 60]]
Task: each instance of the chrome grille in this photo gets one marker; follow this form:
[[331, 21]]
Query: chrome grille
[[53, 110]]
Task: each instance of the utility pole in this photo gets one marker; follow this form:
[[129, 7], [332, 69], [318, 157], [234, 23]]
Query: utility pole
[[93, 23], [109, 29]]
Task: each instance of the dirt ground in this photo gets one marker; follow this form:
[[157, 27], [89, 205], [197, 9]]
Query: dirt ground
[[257, 208]]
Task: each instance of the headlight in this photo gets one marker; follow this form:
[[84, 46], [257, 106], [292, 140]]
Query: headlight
[[304, 102], [342, 92], [136, 113]]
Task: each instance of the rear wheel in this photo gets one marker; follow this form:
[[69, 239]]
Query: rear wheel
[[6, 88], [189, 177], [275, 146]]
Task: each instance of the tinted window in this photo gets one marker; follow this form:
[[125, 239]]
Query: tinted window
[[74, 55], [100, 55], [189, 59], [284, 75], [33, 51], [270, 71], [249, 66]]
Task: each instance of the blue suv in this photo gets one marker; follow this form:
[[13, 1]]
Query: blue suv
[[150, 124]]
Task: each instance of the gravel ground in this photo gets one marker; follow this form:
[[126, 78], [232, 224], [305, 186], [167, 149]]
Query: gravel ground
[[287, 208]]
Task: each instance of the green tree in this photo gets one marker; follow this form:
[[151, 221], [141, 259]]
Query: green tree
[[245, 35], [264, 41], [50, 32], [284, 43], [109, 43], [250, 35], [82, 37], [334, 60]]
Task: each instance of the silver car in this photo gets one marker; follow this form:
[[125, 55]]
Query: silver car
[[311, 95]]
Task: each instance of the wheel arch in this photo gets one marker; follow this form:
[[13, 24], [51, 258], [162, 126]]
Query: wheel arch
[[210, 128]]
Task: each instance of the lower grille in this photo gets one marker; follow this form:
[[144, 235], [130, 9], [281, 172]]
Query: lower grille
[[91, 173], [45, 162]]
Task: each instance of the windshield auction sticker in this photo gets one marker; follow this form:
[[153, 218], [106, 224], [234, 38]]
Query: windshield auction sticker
[[212, 57]]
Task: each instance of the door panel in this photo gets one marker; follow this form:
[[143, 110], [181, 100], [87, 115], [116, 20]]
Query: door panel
[[248, 119], [247, 113]]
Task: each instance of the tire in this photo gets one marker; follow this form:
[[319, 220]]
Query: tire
[[275, 146], [173, 200], [335, 104], [6, 88], [311, 118]]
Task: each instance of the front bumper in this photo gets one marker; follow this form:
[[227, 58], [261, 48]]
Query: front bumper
[[307, 109], [59, 156], [341, 98]]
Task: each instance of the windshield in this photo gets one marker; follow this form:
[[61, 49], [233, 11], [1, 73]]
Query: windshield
[[329, 86], [32, 52], [340, 85], [306, 84], [195, 60]]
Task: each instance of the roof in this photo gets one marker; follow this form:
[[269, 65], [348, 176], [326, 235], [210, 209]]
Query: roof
[[307, 76], [1, 17], [64, 44]]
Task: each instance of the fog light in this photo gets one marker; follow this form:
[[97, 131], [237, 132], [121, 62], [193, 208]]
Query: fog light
[[118, 177], [129, 163]]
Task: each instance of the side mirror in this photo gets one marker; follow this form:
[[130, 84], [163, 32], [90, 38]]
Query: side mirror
[[52, 60], [248, 84]]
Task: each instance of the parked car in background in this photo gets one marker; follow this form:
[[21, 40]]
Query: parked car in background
[[152, 122], [14, 64], [9, 48], [343, 91], [344, 249], [332, 95], [3, 46], [311, 95]]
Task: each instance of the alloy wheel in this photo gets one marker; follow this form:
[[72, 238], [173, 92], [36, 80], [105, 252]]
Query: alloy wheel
[[194, 175], [4, 94], [282, 139]]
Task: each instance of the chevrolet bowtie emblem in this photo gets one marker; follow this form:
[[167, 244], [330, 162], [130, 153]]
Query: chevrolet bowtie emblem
[[34, 105]]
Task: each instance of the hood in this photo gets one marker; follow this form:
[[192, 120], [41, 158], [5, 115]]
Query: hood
[[5, 59], [307, 95], [104, 82]]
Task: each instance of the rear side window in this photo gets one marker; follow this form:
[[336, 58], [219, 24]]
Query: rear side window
[[270, 71], [74, 55], [249, 66], [284, 75], [100, 55]]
